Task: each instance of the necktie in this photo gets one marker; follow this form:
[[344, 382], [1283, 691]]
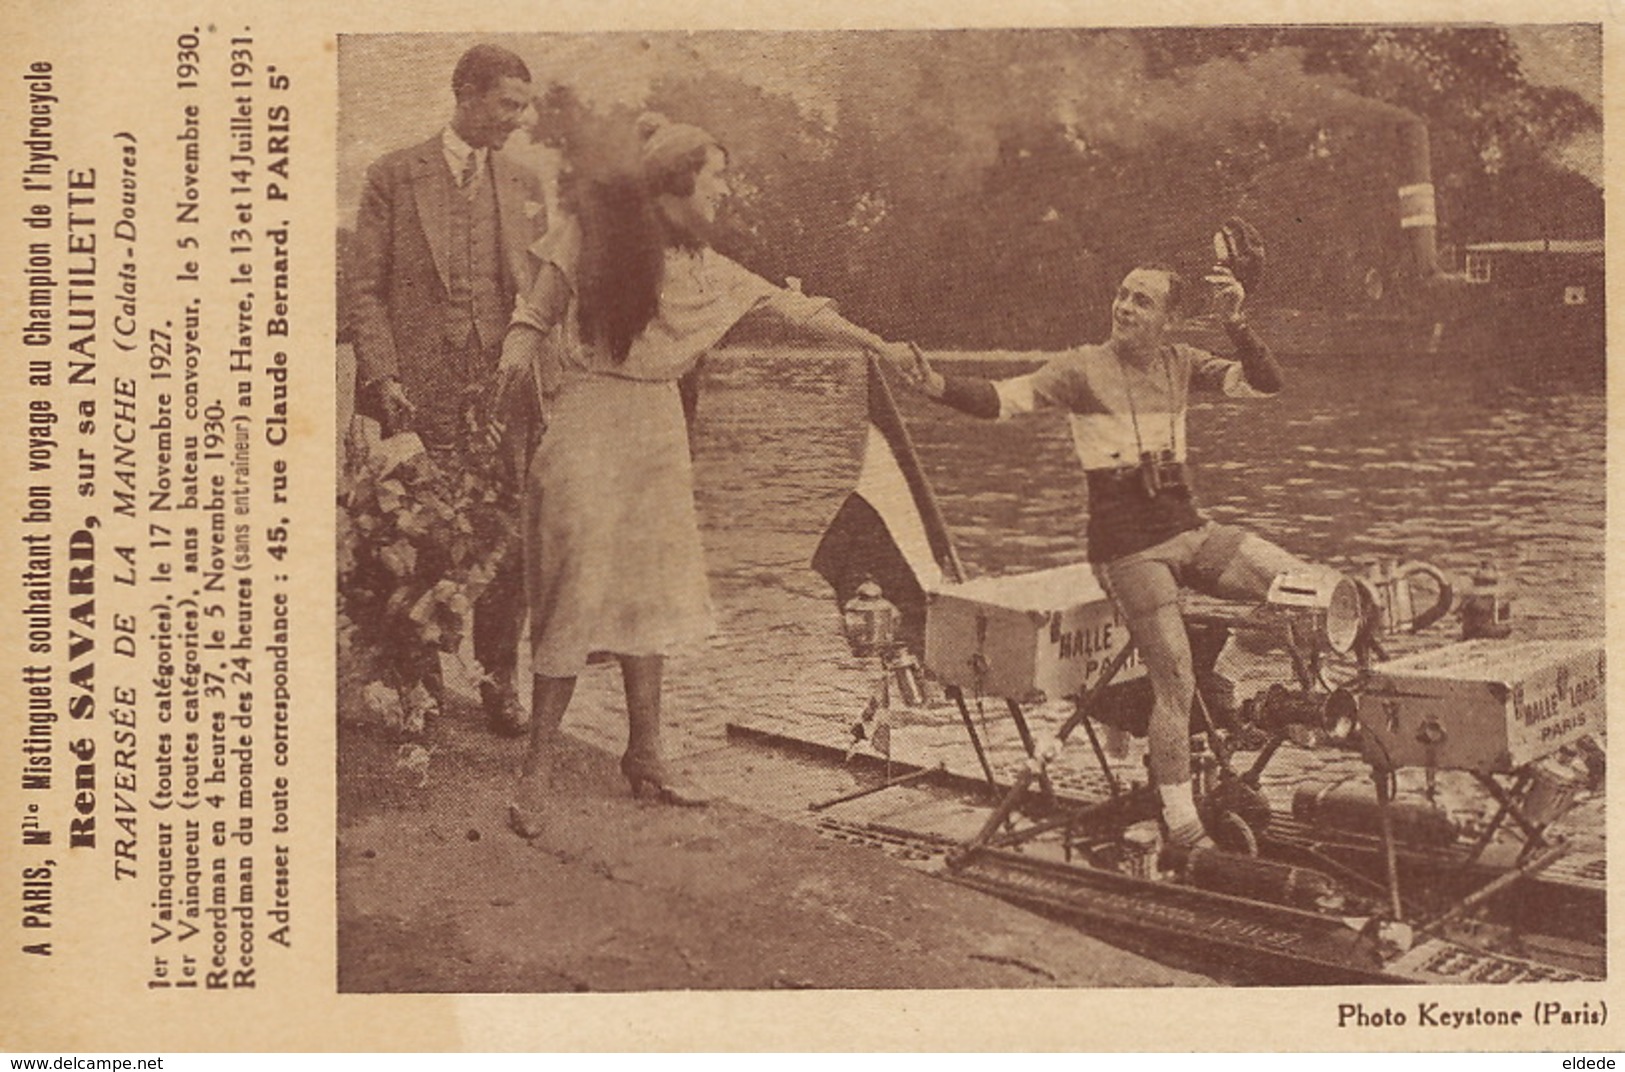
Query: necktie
[[471, 166]]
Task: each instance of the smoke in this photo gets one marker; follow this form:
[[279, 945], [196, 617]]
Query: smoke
[[1106, 96], [952, 99]]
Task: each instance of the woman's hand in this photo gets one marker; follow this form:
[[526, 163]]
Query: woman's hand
[[905, 358], [918, 371], [525, 352], [519, 348], [899, 355], [910, 365]]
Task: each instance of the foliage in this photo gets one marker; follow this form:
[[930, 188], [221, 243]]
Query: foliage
[[420, 536], [987, 188]]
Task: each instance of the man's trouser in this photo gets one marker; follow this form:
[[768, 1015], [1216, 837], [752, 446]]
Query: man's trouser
[[1213, 559]]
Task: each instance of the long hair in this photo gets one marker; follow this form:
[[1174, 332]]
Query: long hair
[[624, 237], [622, 262]]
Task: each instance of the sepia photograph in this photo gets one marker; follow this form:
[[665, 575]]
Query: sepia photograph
[[973, 509], [890, 530]]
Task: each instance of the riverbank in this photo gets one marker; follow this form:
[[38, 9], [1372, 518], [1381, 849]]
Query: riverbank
[[437, 895]]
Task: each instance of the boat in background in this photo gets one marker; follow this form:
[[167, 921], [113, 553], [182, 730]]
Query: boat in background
[[1518, 298], [1545, 297]]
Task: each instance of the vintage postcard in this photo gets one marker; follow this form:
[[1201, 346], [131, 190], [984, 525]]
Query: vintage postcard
[[548, 529]]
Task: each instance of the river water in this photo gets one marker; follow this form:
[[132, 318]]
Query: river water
[[1361, 457]]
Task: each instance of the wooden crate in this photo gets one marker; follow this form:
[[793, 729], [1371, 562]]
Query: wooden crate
[[1042, 635], [1482, 705]]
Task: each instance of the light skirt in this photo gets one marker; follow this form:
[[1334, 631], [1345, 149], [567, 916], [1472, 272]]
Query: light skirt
[[613, 560]]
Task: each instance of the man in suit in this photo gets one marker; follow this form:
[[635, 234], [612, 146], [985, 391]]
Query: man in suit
[[440, 252]]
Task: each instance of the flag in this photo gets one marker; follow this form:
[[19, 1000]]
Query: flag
[[889, 529]]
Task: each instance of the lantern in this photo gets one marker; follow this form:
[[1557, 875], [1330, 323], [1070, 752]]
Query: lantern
[[870, 621], [1486, 610], [1328, 598]]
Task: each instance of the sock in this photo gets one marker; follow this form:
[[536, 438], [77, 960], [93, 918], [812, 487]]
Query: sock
[[1179, 815]]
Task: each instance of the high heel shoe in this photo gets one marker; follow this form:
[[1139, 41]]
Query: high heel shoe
[[667, 787]]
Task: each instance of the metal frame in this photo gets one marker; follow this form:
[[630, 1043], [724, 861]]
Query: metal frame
[[998, 833], [1034, 770]]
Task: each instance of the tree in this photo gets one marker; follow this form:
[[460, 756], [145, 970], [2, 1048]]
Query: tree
[[986, 188]]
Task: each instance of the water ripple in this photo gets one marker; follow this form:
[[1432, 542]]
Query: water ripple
[[1358, 458]]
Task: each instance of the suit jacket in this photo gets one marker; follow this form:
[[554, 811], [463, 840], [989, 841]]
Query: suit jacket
[[398, 296]]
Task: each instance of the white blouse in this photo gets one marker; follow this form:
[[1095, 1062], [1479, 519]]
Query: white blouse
[[703, 294]]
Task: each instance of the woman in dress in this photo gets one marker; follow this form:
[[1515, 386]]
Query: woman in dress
[[628, 298]]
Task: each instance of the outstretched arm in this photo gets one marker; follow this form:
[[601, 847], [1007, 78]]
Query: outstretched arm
[[968, 394], [831, 325]]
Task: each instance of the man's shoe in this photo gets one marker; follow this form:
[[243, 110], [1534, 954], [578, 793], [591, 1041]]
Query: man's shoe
[[504, 714]]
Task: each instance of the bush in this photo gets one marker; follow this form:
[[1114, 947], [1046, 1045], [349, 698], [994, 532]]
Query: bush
[[420, 535]]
